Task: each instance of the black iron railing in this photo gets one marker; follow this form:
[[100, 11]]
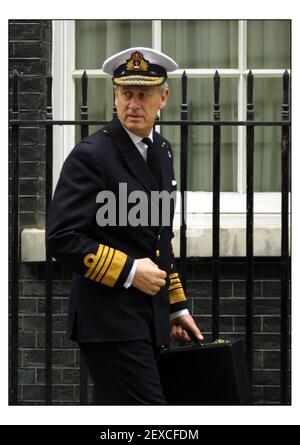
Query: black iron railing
[[249, 227], [216, 211], [14, 246], [84, 133], [285, 180], [184, 123]]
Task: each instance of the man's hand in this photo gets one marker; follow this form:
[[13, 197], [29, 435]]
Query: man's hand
[[179, 327], [148, 278]]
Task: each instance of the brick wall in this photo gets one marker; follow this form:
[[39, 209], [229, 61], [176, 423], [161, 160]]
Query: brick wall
[[30, 45], [232, 325]]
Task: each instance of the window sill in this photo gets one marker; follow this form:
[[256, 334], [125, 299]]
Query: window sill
[[267, 242]]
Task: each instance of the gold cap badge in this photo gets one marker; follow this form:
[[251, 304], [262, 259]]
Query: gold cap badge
[[137, 62]]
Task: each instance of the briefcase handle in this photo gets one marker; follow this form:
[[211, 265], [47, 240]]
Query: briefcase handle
[[196, 340]]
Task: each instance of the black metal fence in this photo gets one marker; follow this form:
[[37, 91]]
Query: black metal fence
[[184, 123]]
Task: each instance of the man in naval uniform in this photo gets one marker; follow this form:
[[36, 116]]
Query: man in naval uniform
[[126, 298]]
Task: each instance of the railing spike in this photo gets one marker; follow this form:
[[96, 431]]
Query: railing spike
[[250, 109], [183, 89], [84, 89], [216, 96], [286, 78]]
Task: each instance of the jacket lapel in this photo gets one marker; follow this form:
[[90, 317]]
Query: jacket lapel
[[164, 163]]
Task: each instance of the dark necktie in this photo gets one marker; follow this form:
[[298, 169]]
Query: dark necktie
[[153, 160]]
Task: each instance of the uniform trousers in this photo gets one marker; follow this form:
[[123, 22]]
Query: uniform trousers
[[124, 373]]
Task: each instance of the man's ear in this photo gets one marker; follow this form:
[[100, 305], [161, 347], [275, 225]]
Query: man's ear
[[164, 98]]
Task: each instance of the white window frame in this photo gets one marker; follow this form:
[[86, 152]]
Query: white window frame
[[267, 206]]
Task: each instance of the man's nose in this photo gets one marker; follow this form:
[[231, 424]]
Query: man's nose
[[134, 102]]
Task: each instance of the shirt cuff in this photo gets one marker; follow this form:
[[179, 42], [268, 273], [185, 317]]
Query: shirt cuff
[[129, 279], [178, 313]]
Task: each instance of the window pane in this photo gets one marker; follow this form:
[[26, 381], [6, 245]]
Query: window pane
[[267, 149], [100, 102], [200, 102], [269, 44], [98, 39], [201, 43]]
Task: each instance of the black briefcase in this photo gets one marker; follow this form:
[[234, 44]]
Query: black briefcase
[[207, 374]]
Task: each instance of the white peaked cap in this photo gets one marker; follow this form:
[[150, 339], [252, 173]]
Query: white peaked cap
[[152, 55], [139, 66]]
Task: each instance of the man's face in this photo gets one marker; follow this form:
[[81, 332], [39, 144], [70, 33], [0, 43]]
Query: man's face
[[137, 107]]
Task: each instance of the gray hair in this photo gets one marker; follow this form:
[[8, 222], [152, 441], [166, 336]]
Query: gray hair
[[164, 86]]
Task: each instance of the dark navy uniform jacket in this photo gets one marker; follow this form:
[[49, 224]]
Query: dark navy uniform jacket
[[100, 307]]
